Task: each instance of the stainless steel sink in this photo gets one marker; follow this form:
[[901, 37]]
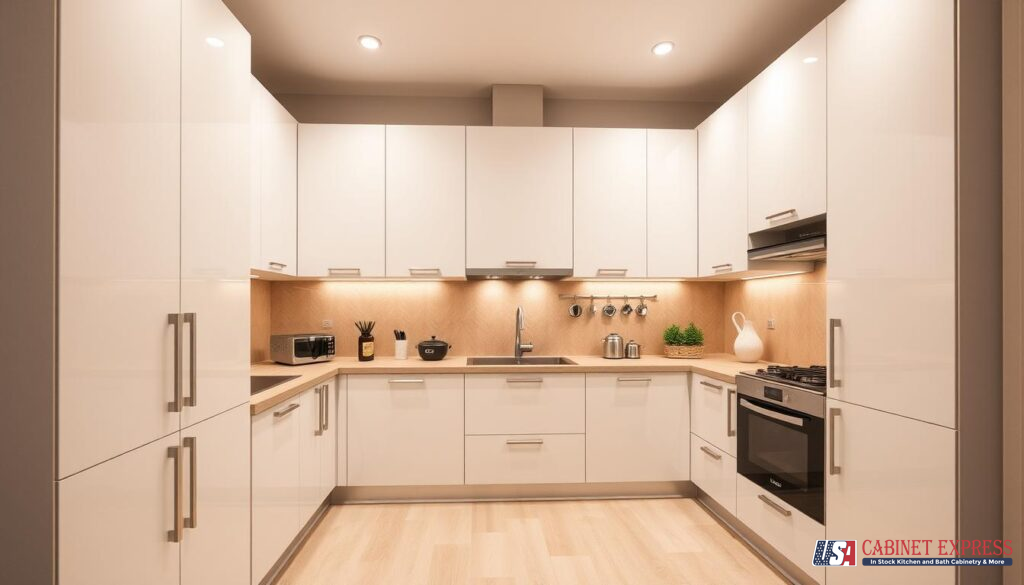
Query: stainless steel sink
[[523, 361], [258, 384]]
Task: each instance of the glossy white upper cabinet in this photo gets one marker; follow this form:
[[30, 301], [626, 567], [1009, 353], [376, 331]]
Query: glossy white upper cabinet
[[892, 202], [722, 177], [278, 133], [786, 136], [426, 201], [909, 492], [609, 168], [215, 194], [341, 200], [255, 172], [671, 203], [519, 208], [119, 226]]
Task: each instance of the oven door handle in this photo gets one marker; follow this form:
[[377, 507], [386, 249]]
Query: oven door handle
[[793, 420]]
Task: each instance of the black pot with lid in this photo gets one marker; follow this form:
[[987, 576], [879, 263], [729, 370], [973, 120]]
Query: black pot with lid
[[433, 349]]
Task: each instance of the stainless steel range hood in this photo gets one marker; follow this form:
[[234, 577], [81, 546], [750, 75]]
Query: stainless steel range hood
[[803, 240]]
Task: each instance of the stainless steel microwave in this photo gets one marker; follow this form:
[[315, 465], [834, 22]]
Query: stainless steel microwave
[[303, 348]]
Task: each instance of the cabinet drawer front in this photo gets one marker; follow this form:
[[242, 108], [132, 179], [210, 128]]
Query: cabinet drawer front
[[405, 430], [638, 427], [525, 403], [713, 471], [497, 459], [713, 411], [793, 535]]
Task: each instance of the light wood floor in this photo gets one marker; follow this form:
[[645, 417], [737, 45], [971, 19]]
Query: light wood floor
[[606, 542]]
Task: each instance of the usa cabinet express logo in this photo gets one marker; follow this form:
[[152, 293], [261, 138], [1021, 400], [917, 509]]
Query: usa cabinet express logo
[[835, 553], [913, 553]]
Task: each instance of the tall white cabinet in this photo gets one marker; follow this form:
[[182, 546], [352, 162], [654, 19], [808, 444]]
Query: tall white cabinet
[[671, 203], [275, 135]]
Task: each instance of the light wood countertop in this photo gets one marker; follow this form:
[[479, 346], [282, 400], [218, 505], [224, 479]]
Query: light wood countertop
[[722, 367]]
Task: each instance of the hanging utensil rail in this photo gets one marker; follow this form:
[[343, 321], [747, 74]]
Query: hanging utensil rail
[[623, 297]]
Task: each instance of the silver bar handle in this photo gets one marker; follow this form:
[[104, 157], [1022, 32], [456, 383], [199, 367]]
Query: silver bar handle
[[193, 457], [628, 379], [612, 271], [833, 469], [277, 265], [520, 263], [193, 373], [726, 266], [406, 381], [286, 411], [710, 453], [178, 320], [774, 506], [319, 411], [710, 385], [729, 430], [524, 441], [833, 324], [793, 420], [327, 406], [424, 272], [344, 271], [174, 535], [524, 380], [780, 214]]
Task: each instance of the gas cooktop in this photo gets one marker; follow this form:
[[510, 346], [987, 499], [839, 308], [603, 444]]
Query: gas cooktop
[[809, 378]]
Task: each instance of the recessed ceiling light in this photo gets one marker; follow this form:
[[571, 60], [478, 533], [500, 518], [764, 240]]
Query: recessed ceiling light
[[663, 48], [369, 42], [810, 60], [214, 42]]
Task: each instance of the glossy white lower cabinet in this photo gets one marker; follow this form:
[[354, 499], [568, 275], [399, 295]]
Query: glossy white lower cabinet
[[405, 430], [895, 479], [638, 427], [713, 471], [713, 404], [525, 403], [114, 520], [275, 484], [332, 395], [790, 531], [214, 547], [340, 428], [310, 414], [523, 459]]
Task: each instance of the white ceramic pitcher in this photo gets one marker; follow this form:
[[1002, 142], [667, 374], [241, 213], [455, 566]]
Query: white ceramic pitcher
[[748, 346]]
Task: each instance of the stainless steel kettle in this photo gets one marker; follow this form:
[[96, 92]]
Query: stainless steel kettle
[[613, 347]]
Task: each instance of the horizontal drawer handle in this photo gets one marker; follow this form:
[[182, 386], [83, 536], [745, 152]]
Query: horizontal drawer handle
[[287, 410], [774, 506], [524, 441], [424, 272], [612, 271], [524, 380], [710, 453], [344, 271], [520, 263], [406, 381], [780, 214], [710, 385], [722, 267], [626, 379], [277, 265]]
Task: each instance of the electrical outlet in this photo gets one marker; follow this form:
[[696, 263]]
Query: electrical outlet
[[326, 324], [771, 323]]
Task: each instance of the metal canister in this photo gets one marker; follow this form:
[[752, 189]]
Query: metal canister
[[613, 348], [632, 350]]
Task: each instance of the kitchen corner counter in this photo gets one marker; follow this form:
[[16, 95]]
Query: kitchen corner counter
[[722, 367]]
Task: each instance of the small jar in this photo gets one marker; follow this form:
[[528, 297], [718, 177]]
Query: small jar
[[365, 348]]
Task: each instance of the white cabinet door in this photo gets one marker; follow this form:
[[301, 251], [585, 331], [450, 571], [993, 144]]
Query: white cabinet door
[[722, 176], [329, 438], [525, 459], [255, 171], [609, 167], [215, 547], [791, 532], [896, 477], [275, 484], [638, 427], [119, 226], [426, 201], [310, 416], [671, 203], [786, 133], [518, 197], [714, 472], [278, 147], [215, 102], [714, 412], [405, 430], [340, 426], [114, 520], [341, 200], [892, 204], [512, 404]]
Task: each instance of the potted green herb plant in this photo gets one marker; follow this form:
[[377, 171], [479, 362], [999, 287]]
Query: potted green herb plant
[[684, 343]]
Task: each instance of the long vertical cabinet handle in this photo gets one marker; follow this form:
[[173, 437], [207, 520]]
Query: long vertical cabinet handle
[[833, 469], [193, 457], [174, 535], [319, 411], [178, 320], [327, 406], [730, 431], [193, 373], [833, 324]]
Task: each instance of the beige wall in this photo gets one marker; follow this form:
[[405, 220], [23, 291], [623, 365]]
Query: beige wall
[[259, 321], [350, 109], [796, 303]]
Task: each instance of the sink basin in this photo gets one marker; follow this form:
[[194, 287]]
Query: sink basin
[[258, 384], [525, 361]]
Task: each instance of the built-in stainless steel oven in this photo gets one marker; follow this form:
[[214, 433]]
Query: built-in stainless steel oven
[[780, 433]]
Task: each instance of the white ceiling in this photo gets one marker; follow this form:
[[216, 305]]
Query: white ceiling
[[586, 49]]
